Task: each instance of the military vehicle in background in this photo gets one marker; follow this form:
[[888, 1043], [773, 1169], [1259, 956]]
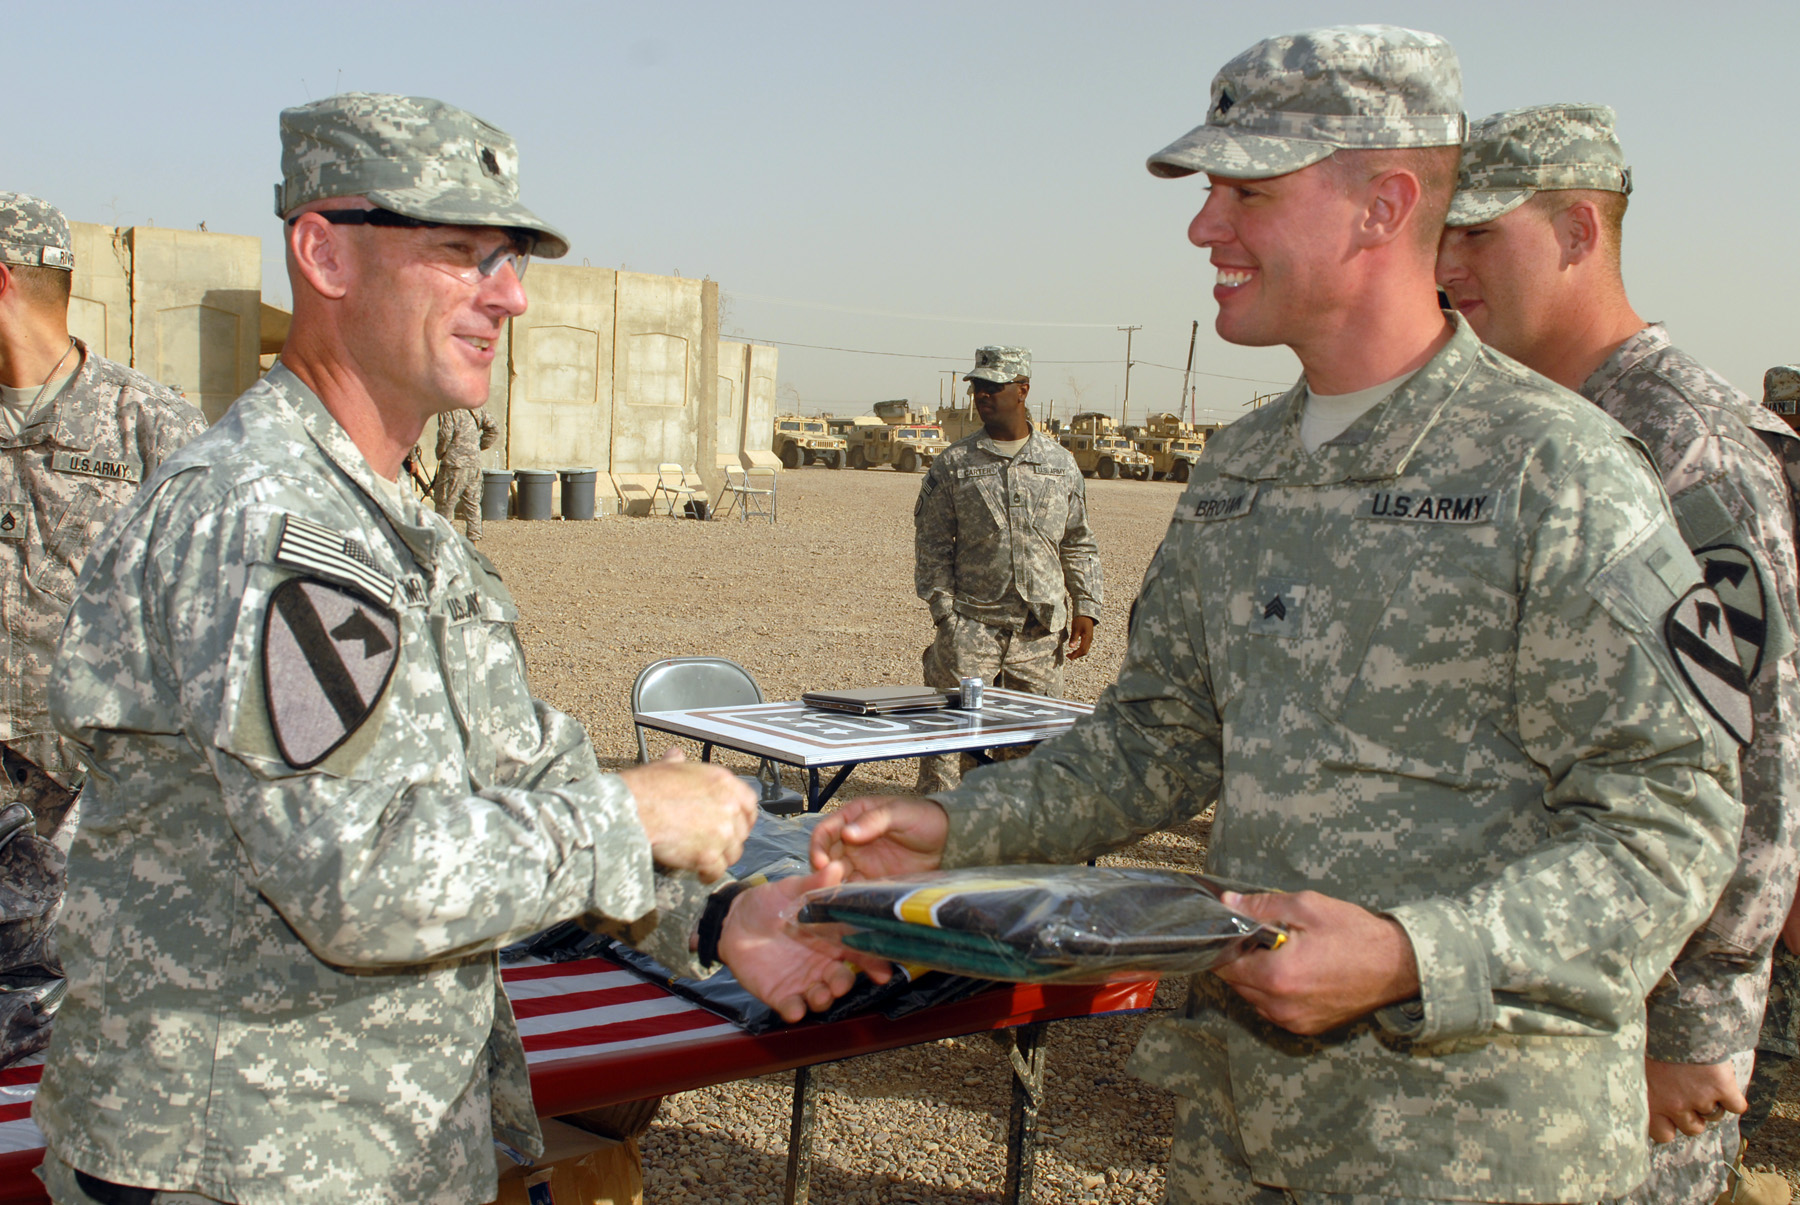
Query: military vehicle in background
[[1172, 445], [800, 440], [849, 429], [958, 422], [906, 440], [1100, 450]]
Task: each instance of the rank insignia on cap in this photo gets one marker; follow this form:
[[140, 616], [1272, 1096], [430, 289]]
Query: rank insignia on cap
[[1734, 577], [328, 653], [1706, 653]]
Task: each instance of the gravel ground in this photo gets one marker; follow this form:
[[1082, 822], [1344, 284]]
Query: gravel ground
[[824, 598]]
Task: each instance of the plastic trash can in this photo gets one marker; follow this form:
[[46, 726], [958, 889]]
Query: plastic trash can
[[496, 494], [578, 493], [534, 492]]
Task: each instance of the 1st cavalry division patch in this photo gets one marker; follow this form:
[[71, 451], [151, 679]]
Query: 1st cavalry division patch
[[328, 652], [1733, 575], [1706, 653]]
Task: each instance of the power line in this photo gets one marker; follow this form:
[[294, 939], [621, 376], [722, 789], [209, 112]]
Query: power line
[[873, 313], [908, 355]]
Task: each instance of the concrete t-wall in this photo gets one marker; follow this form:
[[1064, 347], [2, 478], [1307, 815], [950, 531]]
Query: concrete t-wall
[[734, 368], [759, 406], [196, 312], [100, 294]]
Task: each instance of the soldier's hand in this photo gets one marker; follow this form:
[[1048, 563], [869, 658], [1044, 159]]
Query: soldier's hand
[[1339, 962], [775, 966], [696, 814], [881, 835], [1686, 1097], [1081, 637]]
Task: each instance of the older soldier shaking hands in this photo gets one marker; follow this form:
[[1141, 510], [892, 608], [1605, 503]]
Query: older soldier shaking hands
[[321, 795], [1426, 633]]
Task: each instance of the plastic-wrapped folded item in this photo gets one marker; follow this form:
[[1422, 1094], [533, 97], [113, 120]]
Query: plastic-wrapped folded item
[[776, 849], [1040, 924]]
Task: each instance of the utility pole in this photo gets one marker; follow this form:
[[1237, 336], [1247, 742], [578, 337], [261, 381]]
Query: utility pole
[[1125, 405], [1192, 336]]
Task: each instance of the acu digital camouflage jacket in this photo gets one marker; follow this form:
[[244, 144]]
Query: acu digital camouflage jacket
[[1422, 669], [999, 538], [320, 796], [69, 469]]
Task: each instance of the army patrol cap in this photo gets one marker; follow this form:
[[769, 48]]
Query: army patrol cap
[[1513, 156], [1000, 364], [1781, 384], [411, 155], [1288, 102], [34, 233]]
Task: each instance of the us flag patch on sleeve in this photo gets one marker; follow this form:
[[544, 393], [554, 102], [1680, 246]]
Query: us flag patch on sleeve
[[1706, 653], [327, 655]]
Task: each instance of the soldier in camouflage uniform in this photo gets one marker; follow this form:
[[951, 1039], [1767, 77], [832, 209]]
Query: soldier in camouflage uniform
[[463, 435], [1531, 258], [1002, 551], [1420, 665], [320, 794], [77, 434]]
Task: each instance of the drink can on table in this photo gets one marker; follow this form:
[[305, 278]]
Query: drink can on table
[[971, 694]]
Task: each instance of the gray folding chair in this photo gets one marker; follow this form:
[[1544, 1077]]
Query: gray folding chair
[[672, 486], [748, 499], [678, 683]]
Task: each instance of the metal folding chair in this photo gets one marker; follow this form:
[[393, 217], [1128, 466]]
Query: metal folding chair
[[677, 491], [680, 683], [748, 499]]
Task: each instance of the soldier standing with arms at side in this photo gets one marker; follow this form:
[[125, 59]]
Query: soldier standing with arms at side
[[1425, 631], [1532, 259], [463, 435], [1002, 552], [320, 794], [77, 435]]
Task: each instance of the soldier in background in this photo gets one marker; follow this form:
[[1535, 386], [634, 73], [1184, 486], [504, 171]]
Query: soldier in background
[[320, 794], [1407, 630], [1532, 259], [463, 435], [77, 434], [1002, 552]]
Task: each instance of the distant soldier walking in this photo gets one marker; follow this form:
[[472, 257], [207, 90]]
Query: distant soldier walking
[[463, 435], [77, 434], [1002, 552]]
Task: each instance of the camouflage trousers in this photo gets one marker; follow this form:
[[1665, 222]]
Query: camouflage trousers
[[1779, 1043], [38, 816], [1031, 660], [60, 1179], [1691, 1169], [459, 495], [1206, 1167]]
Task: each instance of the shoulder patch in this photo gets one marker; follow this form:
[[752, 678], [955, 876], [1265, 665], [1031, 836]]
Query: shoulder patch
[[1705, 652], [1217, 501], [311, 546], [1734, 577], [327, 656]]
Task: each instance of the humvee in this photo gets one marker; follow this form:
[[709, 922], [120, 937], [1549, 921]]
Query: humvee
[[1172, 445], [1100, 450], [908, 441], [801, 441]]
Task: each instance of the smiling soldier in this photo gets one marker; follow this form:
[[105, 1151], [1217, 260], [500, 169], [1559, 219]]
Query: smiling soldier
[[1465, 752], [1532, 259], [320, 794]]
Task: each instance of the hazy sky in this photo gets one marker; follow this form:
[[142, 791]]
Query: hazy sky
[[915, 179]]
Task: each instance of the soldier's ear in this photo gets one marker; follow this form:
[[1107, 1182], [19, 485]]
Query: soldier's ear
[[1024, 388]]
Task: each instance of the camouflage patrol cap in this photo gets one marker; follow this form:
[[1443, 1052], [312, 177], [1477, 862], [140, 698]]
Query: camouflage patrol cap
[[34, 233], [1512, 156], [1000, 364], [1291, 101], [409, 154], [1781, 384]]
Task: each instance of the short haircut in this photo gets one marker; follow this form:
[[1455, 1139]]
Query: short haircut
[[43, 286], [1553, 203], [1435, 167]]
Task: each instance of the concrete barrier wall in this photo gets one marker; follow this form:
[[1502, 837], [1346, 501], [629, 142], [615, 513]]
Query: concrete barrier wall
[[759, 407], [561, 382], [100, 294], [196, 312], [656, 373], [734, 368]]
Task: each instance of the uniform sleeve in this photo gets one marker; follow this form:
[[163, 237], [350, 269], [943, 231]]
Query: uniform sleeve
[[1709, 1006], [1147, 757], [382, 853], [1639, 792], [490, 430], [934, 542], [171, 427], [446, 431], [1081, 557]]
